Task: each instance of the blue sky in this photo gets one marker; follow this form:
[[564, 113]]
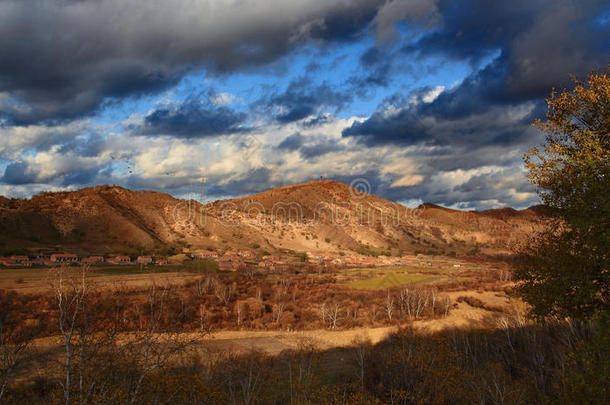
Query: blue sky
[[424, 100]]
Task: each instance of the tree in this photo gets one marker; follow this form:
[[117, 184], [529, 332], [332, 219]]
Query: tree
[[565, 271], [70, 292]]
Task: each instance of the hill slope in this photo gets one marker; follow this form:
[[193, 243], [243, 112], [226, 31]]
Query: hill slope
[[318, 216]]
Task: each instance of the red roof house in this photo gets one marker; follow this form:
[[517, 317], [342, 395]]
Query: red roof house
[[145, 260], [64, 258]]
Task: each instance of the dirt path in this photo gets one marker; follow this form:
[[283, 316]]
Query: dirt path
[[273, 342]]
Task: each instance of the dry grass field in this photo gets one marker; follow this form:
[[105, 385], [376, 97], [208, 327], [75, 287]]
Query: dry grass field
[[37, 280]]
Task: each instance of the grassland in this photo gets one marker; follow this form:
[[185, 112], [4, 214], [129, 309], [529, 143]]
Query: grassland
[[38, 280], [399, 276], [392, 280]]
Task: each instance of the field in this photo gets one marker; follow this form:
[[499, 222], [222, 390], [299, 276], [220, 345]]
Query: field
[[38, 280], [391, 280]]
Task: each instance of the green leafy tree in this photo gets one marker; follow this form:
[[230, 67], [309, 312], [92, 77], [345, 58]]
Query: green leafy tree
[[565, 271]]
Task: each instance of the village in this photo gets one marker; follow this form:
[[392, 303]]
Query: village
[[56, 259], [228, 260]]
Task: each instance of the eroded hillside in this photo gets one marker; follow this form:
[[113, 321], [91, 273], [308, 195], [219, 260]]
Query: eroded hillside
[[315, 216]]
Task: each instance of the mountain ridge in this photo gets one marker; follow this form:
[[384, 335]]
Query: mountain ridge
[[321, 215]]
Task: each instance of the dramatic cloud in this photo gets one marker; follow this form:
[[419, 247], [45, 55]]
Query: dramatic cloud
[[246, 163], [427, 100], [493, 105], [62, 59], [300, 100], [192, 119], [542, 42]]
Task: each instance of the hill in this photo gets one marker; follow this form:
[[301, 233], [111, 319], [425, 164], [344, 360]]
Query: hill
[[314, 216]]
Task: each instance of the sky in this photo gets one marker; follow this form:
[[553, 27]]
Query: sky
[[413, 100]]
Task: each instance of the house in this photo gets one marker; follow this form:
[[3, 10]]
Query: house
[[280, 266], [145, 260], [119, 260], [230, 256], [230, 263], [205, 254], [19, 259], [313, 256], [273, 265], [93, 259], [246, 254], [63, 258]]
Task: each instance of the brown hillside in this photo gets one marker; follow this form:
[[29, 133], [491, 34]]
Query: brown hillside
[[314, 216]]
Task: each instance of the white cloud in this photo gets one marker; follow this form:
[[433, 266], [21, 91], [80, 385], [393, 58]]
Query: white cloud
[[176, 164], [15, 139], [223, 99], [431, 95]]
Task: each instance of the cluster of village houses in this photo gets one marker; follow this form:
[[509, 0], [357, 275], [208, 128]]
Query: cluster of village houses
[[232, 260], [235, 260], [227, 261], [70, 258]]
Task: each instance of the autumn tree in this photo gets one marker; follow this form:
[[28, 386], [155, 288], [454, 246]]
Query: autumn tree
[[565, 271], [70, 289]]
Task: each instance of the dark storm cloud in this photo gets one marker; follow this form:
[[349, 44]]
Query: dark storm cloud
[[477, 112], [540, 43], [300, 100], [18, 173], [193, 119], [543, 40], [63, 59]]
